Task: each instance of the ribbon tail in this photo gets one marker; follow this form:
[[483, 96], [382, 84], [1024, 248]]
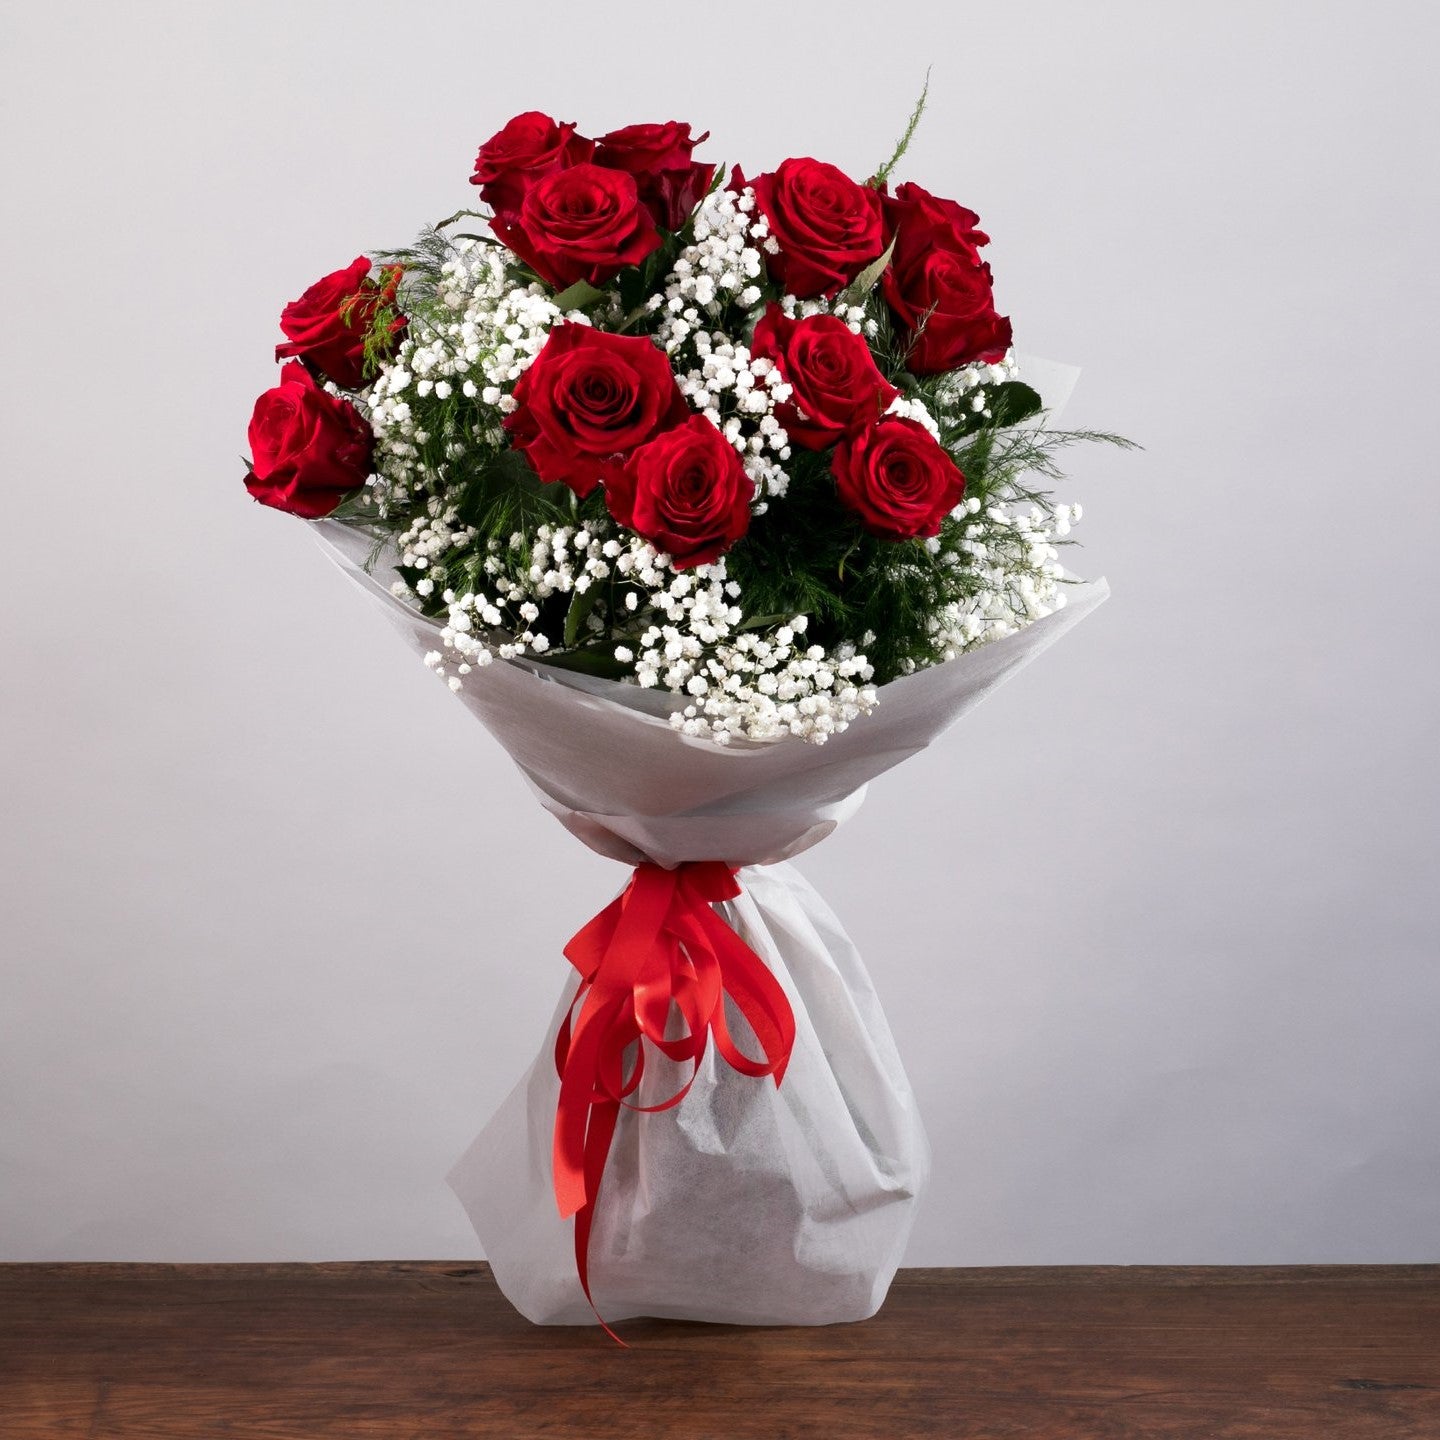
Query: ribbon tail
[[598, 1137], [570, 1156]]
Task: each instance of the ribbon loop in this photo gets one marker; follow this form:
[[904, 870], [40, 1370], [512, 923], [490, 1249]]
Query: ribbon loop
[[657, 950]]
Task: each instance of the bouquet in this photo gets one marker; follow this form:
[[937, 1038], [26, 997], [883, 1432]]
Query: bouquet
[[712, 497]]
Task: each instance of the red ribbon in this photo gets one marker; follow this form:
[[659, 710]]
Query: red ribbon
[[657, 946]]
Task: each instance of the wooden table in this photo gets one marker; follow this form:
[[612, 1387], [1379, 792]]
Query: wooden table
[[346, 1352]]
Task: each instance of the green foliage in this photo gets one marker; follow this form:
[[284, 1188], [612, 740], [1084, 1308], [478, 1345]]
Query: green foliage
[[582, 603], [860, 287], [1003, 464], [598, 659], [903, 144], [422, 260], [636, 283], [502, 496], [809, 555], [1014, 401], [578, 296], [380, 334]]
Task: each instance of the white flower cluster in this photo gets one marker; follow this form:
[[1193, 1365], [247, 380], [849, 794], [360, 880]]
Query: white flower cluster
[[500, 620], [1018, 568], [853, 315], [966, 389], [493, 332], [914, 408], [424, 544], [742, 683], [735, 683], [762, 688], [713, 279]]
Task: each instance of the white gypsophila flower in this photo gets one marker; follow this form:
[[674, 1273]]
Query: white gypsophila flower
[[703, 317], [1017, 568], [913, 408], [488, 334], [966, 390], [736, 683]]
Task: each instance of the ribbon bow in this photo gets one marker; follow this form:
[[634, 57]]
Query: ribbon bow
[[658, 946]]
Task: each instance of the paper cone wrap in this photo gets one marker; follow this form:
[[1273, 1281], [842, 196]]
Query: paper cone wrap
[[747, 1202]]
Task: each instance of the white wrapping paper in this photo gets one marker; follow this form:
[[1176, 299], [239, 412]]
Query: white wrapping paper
[[747, 1203]]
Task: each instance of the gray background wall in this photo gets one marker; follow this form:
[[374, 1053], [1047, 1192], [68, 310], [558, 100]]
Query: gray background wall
[[1156, 929]]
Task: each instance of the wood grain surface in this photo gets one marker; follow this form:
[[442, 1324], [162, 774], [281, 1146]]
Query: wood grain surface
[[348, 1352]]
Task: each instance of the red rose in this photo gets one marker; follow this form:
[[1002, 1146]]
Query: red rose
[[529, 146], [310, 448], [837, 389], [898, 478], [912, 213], [685, 492], [328, 324], [828, 228], [584, 223], [670, 182], [937, 284], [589, 397]]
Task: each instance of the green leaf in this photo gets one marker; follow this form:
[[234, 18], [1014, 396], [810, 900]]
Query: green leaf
[[578, 296], [636, 315], [637, 282], [503, 494], [861, 286], [581, 604], [590, 660], [1013, 402]]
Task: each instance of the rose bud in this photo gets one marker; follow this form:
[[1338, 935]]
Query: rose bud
[[670, 182], [938, 286]]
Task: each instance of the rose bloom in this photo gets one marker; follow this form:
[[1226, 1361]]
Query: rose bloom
[[828, 228], [912, 208], [584, 223], [589, 397], [310, 449], [897, 478], [836, 386], [938, 286], [685, 491], [334, 344], [670, 182], [525, 149]]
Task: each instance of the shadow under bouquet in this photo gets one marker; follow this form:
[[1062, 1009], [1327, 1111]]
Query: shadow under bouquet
[[712, 498]]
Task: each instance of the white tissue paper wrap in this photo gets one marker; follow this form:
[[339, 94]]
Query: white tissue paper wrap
[[747, 1202]]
